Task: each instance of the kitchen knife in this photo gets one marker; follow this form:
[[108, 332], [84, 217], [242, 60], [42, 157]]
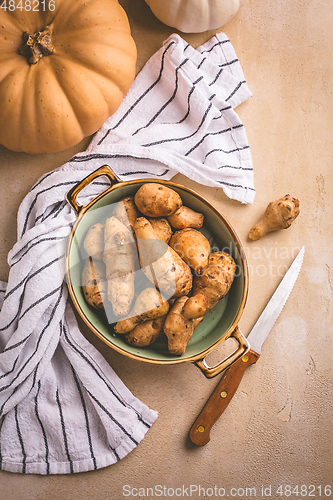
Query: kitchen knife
[[226, 388]]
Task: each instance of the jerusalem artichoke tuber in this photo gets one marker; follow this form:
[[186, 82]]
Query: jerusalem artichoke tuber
[[161, 228], [157, 200], [149, 305], [183, 318], [145, 333], [119, 257], [193, 247], [279, 214], [217, 278], [94, 241], [186, 217], [160, 263], [126, 211], [93, 279]]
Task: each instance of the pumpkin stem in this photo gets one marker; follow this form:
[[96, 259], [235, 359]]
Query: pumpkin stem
[[37, 45]]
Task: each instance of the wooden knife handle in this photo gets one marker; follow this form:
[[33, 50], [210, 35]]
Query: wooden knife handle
[[220, 398]]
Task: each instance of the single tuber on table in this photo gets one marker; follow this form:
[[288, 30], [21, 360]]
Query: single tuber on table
[[279, 214]]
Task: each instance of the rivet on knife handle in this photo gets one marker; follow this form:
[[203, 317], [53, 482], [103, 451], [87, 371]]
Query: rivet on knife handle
[[220, 398]]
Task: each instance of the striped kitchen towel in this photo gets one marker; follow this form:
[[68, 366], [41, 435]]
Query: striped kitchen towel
[[62, 407], [178, 117]]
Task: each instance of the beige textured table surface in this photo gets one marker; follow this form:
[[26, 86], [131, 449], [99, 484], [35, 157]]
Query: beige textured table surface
[[278, 428]]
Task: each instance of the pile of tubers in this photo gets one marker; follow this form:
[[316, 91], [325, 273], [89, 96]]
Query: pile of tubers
[[153, 232]]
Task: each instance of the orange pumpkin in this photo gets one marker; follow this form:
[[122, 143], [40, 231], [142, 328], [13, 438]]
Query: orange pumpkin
[[63, 71]]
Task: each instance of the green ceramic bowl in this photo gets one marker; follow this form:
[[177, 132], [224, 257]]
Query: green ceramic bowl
[[218, 325]]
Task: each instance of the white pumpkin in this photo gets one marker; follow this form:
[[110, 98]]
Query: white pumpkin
[[195, 16]]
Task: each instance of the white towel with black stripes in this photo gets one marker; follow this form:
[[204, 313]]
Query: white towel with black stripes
[[178, 117], [62, 407]]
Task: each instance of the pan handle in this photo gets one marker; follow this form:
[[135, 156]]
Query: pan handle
[[73, 193], [212, 371]]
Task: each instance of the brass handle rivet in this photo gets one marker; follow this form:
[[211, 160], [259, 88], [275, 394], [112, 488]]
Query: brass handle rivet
[[201, 428], [245, 358], [224, 394]]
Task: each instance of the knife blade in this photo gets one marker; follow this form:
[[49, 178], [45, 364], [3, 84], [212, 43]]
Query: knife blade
[[226, 388]]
